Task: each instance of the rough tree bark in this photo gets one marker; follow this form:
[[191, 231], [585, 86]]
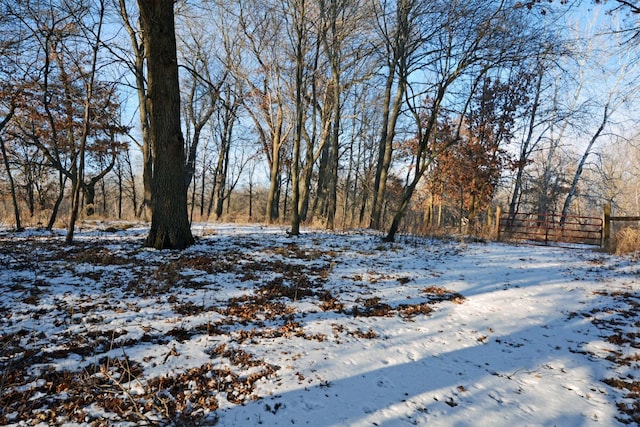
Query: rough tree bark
[[170, 227]]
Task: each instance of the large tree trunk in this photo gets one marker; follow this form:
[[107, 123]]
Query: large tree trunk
[[170, 227]]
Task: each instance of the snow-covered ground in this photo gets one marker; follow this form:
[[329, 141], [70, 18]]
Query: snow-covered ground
[[251, 326]]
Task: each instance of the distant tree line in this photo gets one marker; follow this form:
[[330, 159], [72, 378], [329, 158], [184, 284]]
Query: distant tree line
[[398, 115]]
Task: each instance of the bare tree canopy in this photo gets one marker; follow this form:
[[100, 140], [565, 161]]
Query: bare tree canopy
[[350, 113]]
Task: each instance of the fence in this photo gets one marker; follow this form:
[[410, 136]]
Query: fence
[[608, 219], [551, 228]]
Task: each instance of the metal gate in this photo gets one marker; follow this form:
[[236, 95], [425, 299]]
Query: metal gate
[[551, 228]]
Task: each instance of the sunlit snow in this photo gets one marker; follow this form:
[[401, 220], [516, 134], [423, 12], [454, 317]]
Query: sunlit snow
[[336, 328]]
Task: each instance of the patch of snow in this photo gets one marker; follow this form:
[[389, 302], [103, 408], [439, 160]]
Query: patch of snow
[[517, 350]]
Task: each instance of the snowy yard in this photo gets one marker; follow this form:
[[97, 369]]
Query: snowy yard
[[250, 326]]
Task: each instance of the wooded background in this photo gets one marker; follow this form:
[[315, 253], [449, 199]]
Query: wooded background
[[409, 115]]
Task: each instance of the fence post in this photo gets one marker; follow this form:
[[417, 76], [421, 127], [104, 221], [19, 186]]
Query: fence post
[[607, 225], [547, 226]]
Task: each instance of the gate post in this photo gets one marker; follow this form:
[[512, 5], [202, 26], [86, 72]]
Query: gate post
[[607, 225], [498, 215]]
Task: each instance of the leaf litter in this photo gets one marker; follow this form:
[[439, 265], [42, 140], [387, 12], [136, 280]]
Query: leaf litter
[[252, 326]]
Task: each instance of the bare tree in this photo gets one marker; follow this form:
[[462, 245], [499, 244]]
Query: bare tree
[[535, 121], [299, 40], [473, 38], [227, 117], [630, 9], [125, 182], [170, 228], [403, 32], [137, 68], [5, 158], [619, 90], [205, 76], [67, 112], [8, 50], [342, 21], [267, 101], [76, 188]]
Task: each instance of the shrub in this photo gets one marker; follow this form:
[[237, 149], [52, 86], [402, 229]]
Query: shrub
[[626, 241]]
